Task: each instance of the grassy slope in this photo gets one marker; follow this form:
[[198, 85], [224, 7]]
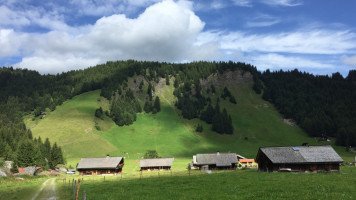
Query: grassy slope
[[71, 125]]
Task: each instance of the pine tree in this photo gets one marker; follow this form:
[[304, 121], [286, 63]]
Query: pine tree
[[25, 154], [149, 91], [157, 104], [147, 107], [47, 150]]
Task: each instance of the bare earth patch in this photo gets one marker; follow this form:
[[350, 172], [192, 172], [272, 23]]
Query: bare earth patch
[[290, 122]]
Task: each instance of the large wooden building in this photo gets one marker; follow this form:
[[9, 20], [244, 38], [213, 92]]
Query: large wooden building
[[98, 166], [215, 161], [298, 159], [156, 163]]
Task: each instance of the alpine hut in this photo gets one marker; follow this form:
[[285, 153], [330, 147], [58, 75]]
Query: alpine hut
[[215, 161], [98, 166], [298, 159], [156, 163]]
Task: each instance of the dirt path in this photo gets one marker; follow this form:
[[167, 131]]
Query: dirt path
[[47, 191]]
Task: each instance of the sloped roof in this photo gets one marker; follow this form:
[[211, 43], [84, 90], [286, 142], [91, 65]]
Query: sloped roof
[[99, 163], [219, 159], [240, 157], [156, 162], [301, 154]]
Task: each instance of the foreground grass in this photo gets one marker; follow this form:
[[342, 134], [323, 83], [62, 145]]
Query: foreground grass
[[10, 188], [240, 184]]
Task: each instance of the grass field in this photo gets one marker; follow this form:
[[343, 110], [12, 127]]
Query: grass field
[[257, 123], [240, 184], [11, 189]]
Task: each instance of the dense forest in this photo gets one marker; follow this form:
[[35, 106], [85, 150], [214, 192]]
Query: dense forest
[[321, 105], [17, 144]]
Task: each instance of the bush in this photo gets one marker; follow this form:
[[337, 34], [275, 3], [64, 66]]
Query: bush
[[199, 128], [99, 113], [151, 154]]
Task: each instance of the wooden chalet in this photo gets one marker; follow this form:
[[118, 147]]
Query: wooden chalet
[[156, 163], [215, 161], [298, 159], [98, 166]]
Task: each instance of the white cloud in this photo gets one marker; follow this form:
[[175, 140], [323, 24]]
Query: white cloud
[[278, 61], [262, 20], [283, 2], [109, 7], [165, 31], [10, 43], [31, 17], [303, 42], [244, 3], [349, 60]]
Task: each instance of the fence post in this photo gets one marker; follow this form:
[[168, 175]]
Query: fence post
[[73, 189], [78, 187], [84, 195]]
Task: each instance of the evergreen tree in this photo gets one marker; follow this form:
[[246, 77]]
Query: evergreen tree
[[149, 91], [167, 79], [157, 104], [99, 113], [26, 155], [147, 107]]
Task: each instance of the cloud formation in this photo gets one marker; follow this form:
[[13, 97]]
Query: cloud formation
[[244, 3], [289, 3], [302, 42], [349, 60], [165, 31]]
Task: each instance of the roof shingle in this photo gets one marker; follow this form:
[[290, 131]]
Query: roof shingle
[[218, 159], [99, 163], [301, 154], [156, 162]]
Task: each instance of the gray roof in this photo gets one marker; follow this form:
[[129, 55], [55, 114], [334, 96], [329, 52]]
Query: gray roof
[[301, 154], [156, 162], [218, 159], [99, 163]]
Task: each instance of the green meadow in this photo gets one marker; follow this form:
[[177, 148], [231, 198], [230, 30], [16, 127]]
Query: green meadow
[[11, 188], [240, 184], [257, 123]]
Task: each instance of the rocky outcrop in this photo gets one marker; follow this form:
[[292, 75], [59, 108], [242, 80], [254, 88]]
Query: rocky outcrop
[[2, 173], [227, 79]]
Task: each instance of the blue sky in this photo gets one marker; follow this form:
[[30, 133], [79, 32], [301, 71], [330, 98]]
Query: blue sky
[[316, 36]]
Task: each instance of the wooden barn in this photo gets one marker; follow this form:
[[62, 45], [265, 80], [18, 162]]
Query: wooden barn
[[215, 161], [98, 166], [156, 163], [298, 159]]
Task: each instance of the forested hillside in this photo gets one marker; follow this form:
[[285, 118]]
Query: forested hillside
[[321, 105]]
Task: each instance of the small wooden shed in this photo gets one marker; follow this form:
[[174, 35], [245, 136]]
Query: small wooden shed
[[298, 159], [98, 166], [215, 161], [156, 163]]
